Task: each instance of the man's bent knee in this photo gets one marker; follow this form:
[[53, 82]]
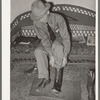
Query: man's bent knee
[[58, 51], [59, 47], [38, 51]]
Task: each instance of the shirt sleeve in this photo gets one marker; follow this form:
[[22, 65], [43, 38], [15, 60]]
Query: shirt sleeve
[[63, 30], [42, 35]]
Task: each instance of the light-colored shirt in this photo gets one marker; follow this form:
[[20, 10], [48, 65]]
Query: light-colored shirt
[[59, 27]]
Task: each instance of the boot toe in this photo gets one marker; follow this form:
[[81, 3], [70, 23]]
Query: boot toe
[[56, 92]]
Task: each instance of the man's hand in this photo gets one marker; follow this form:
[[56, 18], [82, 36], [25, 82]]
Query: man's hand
[[64, 61], [52, 61]]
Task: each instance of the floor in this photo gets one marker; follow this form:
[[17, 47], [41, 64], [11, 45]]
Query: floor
[[21, 83]]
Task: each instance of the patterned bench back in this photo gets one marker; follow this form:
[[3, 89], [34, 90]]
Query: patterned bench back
[[81, 22]]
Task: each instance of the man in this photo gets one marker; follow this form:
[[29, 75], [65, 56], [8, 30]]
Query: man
[[55, 44]]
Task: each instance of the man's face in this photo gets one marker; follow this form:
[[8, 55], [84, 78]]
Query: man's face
[[45, 18]]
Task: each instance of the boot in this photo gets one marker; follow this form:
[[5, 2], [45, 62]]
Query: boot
[[42, 84], [58, 80]]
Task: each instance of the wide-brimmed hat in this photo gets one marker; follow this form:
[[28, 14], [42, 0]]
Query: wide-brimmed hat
[[39, 9]]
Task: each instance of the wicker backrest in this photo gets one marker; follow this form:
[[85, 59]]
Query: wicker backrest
[[81, 22]]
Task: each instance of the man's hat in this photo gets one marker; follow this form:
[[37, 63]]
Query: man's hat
[[39, 9]]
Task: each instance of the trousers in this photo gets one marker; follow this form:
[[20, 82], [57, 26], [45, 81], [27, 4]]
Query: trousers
[[42, 58]]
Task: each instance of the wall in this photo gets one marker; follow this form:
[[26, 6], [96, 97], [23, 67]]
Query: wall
[[20, 6]]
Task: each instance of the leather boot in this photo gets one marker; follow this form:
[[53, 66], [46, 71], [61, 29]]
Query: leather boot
[[42, 84], [58, 80]]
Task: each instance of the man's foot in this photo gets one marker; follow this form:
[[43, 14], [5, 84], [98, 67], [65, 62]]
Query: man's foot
[[56, 89], [56, 92], [42, 84], [39, 86], [57, 81]]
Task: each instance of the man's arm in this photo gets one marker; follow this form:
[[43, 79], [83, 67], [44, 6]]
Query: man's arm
[[65, 36], [41, 30]]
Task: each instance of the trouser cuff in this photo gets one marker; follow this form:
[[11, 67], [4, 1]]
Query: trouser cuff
[[43, 76]]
